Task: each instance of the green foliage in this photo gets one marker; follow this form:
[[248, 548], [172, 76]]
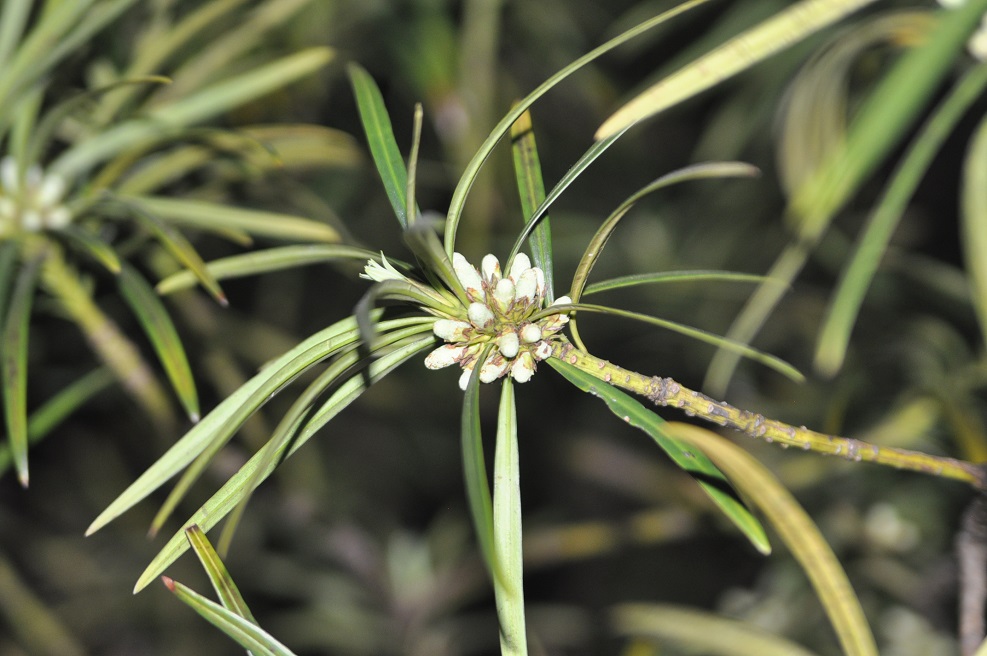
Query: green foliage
[[125, 182]]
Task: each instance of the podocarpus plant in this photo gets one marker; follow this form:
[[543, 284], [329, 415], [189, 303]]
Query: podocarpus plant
[[87, 180], [499, 322]]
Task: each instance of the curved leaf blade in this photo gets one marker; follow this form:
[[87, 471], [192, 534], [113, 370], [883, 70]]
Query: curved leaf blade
[[225, 418], [696, 464], [974, 219], [158, 327], [738, 54], [14, 362], [380, 137], [509, 587], [458, 202], [219, 217], [233, 491], [531, 189], [244, 632], [796, 529], [229, 595], [475, 469], [710, 633], [673, 276], [268, 261], [846, 302]]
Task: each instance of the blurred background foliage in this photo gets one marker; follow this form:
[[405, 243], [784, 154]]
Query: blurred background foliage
[[364, 546]]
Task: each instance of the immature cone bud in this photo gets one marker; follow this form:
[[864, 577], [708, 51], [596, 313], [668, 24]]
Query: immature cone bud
[[504, 294], [468, 276], [520, 264], [490, 267], [480, 315], [506, 319], [508, 344]]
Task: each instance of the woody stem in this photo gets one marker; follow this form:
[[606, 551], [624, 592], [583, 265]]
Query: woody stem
[[669, 393]]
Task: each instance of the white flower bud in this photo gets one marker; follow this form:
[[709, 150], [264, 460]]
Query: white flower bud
[[51, 190], [445, 355], [31, 220], [508, 344], [9, 177], [495, 367], [468, 276], [381, 271], [523, 368], [480, 315], [490, 267], [58, 218], [562, 300], [542, 351], [527, 286], [451, 330], [530, 333], [464, 378], [520, 264], [504, 294]]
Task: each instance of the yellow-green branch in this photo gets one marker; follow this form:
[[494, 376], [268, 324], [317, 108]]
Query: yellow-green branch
[[668, 393]]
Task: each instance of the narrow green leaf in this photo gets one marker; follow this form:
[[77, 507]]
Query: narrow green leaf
[[880, 124], [88, 243], [158, 327], [182, 250], [458, 202], [531, 188], [411, 208], [723, 343], [785, 28], [599, 241], [701, 630], [974, 219], [380, 137], [224, 420], [44, 133], [671, 276], [796, 529], [508, 588], [219, 217], [156, 47], [14, 352], [227, 498], [199, 106], [243, 631], [9, 255], [229, 595], [59, 407], [534, 219], [858, 274], [693, 462], [287, 429], [475, 468], [13, 18], [270, 260]]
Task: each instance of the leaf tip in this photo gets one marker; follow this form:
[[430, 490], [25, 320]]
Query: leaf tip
[[168, 583]]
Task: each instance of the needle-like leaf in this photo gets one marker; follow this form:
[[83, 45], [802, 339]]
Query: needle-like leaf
[[157, 325], [14, 362]]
